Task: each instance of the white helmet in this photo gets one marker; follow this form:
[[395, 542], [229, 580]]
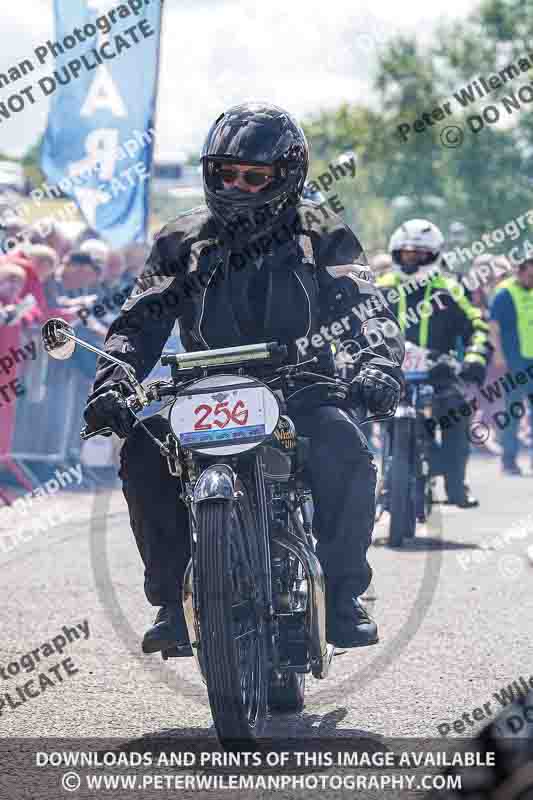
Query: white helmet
[[97, 249], [423, 239]]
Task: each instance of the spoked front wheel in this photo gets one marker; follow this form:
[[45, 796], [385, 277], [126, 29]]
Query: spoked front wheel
[[232, 618]]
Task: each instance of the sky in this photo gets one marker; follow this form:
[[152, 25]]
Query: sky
[[303, 55]]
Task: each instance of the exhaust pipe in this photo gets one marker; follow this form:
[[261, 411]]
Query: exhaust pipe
[[321, 652]]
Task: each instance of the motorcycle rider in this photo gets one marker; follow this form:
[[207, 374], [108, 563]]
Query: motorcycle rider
[[257, 264], [447, 319]]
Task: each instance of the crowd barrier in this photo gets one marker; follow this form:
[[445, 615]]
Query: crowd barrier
[[49, 414], [48, 417]]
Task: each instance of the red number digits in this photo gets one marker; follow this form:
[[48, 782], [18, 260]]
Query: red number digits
[[239, 414], [220, 407], [198, 425]]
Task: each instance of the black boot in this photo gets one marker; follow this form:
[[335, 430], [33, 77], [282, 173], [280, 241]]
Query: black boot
[[462, 498], [169, 631], [348, 624]]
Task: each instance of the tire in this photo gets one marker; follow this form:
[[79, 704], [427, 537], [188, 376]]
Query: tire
[[287, 693], [382, 487], [228, 561], [402, 501], [424, 490]]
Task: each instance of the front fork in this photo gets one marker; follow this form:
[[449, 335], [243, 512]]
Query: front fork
[[219, 484], [216, 482], [418, 463], [419, 460], [423, 470]]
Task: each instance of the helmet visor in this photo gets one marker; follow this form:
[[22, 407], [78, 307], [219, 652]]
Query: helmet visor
[[412, 258], [229, 177]]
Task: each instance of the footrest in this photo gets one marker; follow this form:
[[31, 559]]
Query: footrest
[[185, 651]]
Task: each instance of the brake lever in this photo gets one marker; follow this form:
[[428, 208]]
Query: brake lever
[[85, 434], [377, 417], [293, 369]]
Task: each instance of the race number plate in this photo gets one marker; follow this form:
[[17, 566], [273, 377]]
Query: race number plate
[[227, 416], [415, 364]]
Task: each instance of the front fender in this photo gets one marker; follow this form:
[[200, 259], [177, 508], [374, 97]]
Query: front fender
[[217, 482]]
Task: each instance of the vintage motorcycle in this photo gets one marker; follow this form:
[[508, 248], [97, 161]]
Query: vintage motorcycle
[[410, 455], [254, 591]]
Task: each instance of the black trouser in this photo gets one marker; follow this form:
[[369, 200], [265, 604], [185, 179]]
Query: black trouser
[[451, 458], [342, 478]]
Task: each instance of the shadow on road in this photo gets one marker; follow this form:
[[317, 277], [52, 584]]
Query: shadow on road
[[310, 734], [425, 543]]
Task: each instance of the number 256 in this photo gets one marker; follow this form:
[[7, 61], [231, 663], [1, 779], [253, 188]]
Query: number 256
[[238, 415]]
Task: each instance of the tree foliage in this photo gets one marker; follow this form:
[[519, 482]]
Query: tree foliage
[[484, 181]]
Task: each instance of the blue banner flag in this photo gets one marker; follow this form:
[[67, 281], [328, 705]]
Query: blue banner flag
[[101, 72]]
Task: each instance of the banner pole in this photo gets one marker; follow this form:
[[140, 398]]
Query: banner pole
[[155, 115]]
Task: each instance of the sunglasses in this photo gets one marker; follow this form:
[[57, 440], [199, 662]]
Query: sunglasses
[[251, 177]]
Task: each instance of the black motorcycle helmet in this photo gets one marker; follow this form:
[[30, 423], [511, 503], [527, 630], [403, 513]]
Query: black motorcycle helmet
[[254, 134]]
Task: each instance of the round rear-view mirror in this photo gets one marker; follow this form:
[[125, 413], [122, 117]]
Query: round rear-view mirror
[[55, 342]]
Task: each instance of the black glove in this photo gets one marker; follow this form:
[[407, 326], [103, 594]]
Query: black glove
[[378, 391], [109, 410], [473, 372], [442, 372]]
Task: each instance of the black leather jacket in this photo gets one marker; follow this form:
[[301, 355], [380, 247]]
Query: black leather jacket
[[212, 288]]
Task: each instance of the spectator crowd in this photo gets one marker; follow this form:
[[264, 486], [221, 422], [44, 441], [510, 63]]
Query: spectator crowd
[[65, 273]]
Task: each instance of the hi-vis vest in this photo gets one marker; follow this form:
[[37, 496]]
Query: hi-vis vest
[[523, 304], [479, 338]]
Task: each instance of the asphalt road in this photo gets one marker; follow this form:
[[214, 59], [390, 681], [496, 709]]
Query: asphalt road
[[455, 613]]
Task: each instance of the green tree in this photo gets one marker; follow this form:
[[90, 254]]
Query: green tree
[[31, 161], [482, 181], [352, 129]]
